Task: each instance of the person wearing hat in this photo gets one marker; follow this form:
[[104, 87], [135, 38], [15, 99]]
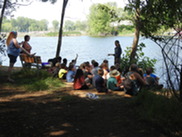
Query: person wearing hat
[[13, 51], [112, 82]]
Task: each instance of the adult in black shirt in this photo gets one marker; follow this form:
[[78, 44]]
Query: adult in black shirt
[[117, 53]]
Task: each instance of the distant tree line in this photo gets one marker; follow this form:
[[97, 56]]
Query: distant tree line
[[23, 24]]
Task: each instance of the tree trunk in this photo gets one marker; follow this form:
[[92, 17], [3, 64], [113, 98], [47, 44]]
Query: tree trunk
[[134, 45], [2, 14], [61, 28], [180, 89], [137, 33]]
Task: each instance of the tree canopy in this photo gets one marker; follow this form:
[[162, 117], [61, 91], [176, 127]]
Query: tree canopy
[[100, 18]]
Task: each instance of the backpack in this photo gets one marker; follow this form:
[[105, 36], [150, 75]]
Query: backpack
[[130, 86]]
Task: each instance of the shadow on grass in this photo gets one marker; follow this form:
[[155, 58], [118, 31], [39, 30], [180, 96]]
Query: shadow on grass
[[58, 114]]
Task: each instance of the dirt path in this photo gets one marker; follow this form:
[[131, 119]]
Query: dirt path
[[68, 113]]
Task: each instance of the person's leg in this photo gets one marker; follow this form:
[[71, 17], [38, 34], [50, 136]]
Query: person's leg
[[103, 90], [84, 87], [10, 68], [11, 65]]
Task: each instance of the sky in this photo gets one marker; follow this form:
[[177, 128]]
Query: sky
[[75, 10]]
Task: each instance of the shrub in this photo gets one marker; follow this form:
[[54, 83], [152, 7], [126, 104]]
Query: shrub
[[164, 112], [141, 60]]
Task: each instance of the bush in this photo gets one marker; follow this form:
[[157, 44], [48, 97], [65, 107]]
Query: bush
[[163, 112], [141, 60]]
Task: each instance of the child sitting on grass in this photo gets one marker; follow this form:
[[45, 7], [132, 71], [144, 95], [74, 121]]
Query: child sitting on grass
[[79, 80], [62, 72], [100, 82], [112, 83]]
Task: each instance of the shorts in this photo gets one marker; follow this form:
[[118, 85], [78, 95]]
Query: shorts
[[12, 58]]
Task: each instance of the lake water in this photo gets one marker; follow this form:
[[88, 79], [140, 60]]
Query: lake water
[[87, 48]]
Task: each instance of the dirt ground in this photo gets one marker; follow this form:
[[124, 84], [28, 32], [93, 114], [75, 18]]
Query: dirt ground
[[69, 113]]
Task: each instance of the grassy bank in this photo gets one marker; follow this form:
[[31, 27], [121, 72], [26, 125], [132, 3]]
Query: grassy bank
[[31, 80], [156, 110]]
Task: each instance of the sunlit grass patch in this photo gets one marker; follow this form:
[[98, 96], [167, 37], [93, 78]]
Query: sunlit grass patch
[[36, 80]]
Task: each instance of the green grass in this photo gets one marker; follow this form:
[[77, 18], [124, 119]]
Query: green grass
[[165, 113], [36, 80]]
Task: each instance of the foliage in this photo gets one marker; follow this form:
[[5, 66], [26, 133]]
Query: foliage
[[81, 25], [10, 7], [55, 25], [141, 60], [23, 24], [164, 112], [156, 15], [69, 25], [100, 18], [35, 80], [2, 44], [75, 26]]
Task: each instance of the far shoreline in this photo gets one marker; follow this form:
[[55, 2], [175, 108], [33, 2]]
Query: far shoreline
[[65, 34]]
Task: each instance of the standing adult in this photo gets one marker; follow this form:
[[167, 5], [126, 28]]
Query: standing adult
[[13, 51], [117, 53]]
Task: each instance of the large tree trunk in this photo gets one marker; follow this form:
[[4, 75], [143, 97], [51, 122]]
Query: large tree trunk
[[2, 14], [134, 45], [137, 33], [61, 28]]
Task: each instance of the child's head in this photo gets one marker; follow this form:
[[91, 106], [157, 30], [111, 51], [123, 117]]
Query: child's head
[[87, 68], [105, 61], [93, 61], [104, 66], [58, 59], [134, 68], [112, 68], [71, 67], [26, 37], [79, 73], [96, 64], [63, 66], [149, 70], [114, 73], [65, 61], [58, 65], [100, 72]]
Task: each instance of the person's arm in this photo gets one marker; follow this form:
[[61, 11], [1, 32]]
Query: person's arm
[[111, 54], [27, 52], [139, 78], [76, 58], [19, 46]]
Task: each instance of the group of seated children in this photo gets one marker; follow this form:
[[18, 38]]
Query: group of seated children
[[102, 78]]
